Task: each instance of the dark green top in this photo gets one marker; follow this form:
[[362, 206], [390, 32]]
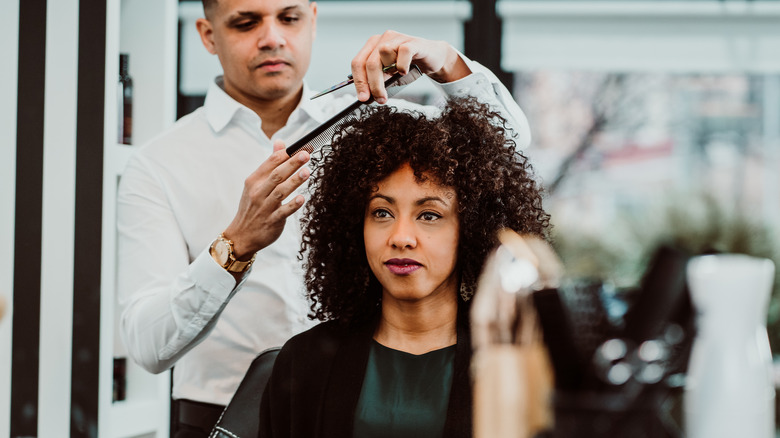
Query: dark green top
[[404, 395]]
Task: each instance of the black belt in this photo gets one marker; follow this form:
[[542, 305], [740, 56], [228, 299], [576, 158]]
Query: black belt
[[198, 414]]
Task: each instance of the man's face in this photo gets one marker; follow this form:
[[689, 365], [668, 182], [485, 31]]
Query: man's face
[[264, 46]]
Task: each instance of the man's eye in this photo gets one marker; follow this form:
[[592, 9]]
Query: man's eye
[[290, 18], [244, 25]]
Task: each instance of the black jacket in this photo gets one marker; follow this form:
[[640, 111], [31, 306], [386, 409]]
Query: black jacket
[[317, 378]]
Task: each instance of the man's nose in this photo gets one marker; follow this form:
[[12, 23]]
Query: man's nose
[[271, 37]]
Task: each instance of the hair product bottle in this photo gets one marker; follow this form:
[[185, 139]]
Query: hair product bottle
[[125, 101]]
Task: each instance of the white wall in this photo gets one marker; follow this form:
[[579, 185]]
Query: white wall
[[9, 33], [647, 36]]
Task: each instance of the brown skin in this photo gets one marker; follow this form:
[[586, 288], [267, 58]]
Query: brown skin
[[264, 47], [437, 59], [414, 222]]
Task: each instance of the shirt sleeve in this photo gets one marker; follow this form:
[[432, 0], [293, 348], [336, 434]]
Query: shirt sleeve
[[169, 303], [488, 89]]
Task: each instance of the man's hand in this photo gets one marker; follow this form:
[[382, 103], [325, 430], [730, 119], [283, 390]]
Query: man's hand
[[437, 59], [261, 215]]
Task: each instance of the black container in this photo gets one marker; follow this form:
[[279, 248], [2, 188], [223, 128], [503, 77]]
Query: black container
[[125, 100]]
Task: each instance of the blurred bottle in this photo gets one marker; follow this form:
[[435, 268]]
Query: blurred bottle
[[511, 370], [120, 379], [729, 389], [125, 101]]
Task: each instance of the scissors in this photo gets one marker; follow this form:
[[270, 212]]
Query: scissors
[[349, 80]]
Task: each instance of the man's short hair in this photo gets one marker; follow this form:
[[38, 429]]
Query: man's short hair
[[208, 5]]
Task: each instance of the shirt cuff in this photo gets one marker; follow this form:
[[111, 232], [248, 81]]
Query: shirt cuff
[[484, 85], [208, 275], [476, 84]]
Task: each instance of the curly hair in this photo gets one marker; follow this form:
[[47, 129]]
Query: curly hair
[[466, 147]]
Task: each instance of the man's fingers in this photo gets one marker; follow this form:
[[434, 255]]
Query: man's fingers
[[404, 56], [388, 49], [283, 189], [359, 68], [278, 157], [286, 210], [376, 78], [283, 180]]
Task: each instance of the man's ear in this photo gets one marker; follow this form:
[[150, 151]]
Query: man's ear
[[313, 6], [206, 32]]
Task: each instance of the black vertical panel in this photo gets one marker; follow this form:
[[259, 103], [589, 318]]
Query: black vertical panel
[[89, 218], [28, 210], [482, 39]]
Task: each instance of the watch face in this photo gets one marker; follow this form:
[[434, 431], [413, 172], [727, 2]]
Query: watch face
[[221, 252]]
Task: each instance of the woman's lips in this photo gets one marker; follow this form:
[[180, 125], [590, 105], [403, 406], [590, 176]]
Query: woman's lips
[[402, 266]]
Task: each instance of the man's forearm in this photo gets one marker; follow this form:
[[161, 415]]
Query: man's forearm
[[159, 325]]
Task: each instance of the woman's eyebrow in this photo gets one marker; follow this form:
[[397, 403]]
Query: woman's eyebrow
[[418, 202], [385, 197], [431, 199]]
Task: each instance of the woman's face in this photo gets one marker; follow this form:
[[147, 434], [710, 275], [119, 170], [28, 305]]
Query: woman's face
[[411, 236]]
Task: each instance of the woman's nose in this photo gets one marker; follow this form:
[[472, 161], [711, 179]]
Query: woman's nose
[[402, 235]]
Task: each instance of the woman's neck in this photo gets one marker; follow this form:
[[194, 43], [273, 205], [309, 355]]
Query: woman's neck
[[417, 327]]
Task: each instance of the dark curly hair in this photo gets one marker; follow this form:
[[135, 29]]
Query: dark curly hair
[[465, 147]]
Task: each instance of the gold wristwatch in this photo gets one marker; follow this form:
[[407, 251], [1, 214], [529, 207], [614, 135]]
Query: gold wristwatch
[[221, 251]]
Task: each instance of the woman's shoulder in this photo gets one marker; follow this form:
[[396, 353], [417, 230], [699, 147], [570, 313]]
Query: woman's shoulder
[[323, 329], [322, 339]]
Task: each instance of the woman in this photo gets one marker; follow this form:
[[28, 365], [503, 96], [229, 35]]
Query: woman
[[403, 212]]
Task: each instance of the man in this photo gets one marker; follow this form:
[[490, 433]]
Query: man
[[208, 273]]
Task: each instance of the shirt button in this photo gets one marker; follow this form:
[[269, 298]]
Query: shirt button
[[301, 319], [480, 81], [462, 91]]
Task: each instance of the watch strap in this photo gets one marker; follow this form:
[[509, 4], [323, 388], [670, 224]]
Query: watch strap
[[231, 264]]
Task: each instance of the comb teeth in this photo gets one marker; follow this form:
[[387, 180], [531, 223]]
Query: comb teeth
[[323, 134]]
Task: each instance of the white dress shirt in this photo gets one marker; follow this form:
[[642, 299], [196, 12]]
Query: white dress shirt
[[177, 193]]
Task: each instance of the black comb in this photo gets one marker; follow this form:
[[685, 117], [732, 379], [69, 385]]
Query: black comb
[[322, 135]]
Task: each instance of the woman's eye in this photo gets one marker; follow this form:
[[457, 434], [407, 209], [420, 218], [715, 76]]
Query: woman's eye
[[381, 213], [429, 216]]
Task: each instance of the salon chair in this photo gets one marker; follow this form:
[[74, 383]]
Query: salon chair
[[240, 419]]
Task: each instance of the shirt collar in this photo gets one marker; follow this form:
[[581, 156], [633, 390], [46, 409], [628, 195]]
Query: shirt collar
[[221, 108], [314, 108]]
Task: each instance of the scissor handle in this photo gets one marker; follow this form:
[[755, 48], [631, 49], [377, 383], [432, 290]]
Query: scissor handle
[[385, 69]]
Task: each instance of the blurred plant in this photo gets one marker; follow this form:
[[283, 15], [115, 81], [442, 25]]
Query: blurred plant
[[697, 224]]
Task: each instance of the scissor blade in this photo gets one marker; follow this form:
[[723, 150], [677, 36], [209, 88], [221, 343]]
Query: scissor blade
[[347, 82], [341, 84]]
